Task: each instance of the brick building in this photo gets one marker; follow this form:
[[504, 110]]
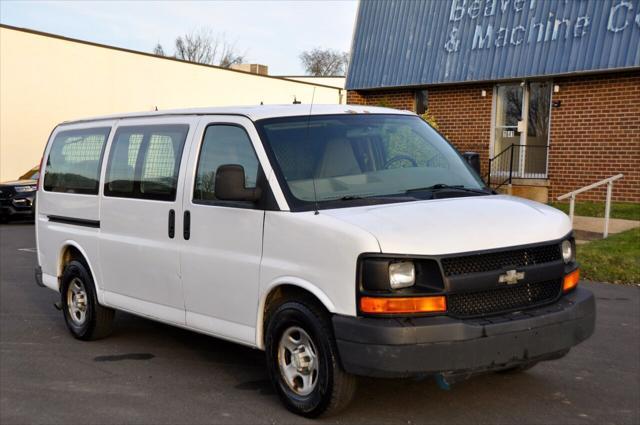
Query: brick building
[[548, 93]]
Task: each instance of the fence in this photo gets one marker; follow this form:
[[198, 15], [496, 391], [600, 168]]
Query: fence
[[517, 162]]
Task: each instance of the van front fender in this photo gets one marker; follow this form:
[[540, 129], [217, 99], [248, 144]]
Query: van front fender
[[287, 281]]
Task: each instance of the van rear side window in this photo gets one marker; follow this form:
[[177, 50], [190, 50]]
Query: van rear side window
[[144, 162], [73, 165]]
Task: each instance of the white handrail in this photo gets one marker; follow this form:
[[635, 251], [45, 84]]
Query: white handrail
[[607, 208]]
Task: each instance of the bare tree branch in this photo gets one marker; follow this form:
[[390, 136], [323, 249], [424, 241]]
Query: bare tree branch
[[325, 62], [202, 46], [228, 55], [158, 50]]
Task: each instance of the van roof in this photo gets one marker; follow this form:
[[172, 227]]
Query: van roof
[[255, 113]]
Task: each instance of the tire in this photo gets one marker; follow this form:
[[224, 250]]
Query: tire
[[301, 323], [86, 319]]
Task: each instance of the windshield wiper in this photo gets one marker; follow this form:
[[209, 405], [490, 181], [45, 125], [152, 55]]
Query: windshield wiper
[[372, 198], [442, 186]]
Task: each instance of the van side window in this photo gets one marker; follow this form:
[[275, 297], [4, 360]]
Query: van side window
[[144, 162], [73, 165], [223, 145]]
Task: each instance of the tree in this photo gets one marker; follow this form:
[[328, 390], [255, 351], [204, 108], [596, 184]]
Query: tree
[[324, 62], [228, 56], [202, 46], [158, 50]]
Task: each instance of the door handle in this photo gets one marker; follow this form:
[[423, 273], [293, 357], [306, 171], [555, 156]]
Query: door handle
[[172, 223], [186, 233]]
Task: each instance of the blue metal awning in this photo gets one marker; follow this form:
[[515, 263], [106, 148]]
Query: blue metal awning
[[411, 43]]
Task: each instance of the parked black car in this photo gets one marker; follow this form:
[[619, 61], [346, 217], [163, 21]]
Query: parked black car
[[17, 198]]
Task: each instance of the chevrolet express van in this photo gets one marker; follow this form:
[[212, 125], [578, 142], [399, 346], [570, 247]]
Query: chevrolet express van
[[341, 240]]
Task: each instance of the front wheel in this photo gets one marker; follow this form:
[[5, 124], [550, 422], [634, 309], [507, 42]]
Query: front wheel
[[302, 359]]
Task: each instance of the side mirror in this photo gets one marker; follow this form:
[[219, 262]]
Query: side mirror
[[229, 185], [473, 159]]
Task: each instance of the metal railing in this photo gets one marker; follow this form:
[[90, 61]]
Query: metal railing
[[517, 162], [607, 207]]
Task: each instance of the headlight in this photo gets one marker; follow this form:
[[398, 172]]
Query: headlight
[[20, 189], [568, 253], [402, 274]]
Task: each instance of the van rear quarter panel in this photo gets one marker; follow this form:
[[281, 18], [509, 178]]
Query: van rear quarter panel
[[316, 252], [53, 237]]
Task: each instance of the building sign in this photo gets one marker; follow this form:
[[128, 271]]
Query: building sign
[[549, 27], [405, 42]]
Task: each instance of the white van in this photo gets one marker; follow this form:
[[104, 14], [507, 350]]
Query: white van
[[341, 240]]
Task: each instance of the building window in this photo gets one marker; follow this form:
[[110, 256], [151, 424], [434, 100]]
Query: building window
[[422, 101]]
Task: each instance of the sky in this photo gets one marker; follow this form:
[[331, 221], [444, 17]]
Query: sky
[[272, 33]]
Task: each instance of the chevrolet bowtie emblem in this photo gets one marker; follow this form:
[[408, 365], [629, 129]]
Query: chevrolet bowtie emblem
[[511, 277]]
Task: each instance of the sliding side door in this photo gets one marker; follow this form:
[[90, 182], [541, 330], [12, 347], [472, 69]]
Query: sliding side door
[[141, 210]]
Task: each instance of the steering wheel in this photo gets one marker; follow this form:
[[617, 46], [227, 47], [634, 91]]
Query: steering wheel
[[400, 158]]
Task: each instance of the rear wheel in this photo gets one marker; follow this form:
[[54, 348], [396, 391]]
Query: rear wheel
[[85, 318], [302, 359]]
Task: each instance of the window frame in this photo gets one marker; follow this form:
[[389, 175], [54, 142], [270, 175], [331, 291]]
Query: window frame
[[43, 173], [136, 193], [261, 180]]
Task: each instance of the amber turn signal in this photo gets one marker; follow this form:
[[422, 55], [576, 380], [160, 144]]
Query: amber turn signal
[[395, 305], [571, 281]]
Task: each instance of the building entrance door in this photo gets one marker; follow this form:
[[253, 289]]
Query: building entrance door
[[521, 129]]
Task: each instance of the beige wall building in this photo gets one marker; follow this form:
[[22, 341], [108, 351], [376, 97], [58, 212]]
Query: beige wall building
[[46, 79], [325, 81]]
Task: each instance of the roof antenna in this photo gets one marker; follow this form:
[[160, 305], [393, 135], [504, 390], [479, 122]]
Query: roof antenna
[[313, 177]]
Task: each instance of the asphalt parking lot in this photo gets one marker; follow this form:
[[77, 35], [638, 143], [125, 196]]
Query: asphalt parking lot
[[151, 373]]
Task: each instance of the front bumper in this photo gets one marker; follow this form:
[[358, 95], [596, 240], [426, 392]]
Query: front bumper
[[441, 344], [17, 207]]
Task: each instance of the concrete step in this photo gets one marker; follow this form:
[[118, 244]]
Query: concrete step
[[533, 192]]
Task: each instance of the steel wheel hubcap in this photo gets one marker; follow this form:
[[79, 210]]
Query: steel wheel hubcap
[[77, 301], [298, 361]]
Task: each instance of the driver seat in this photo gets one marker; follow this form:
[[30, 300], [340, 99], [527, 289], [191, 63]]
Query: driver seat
[[338, 159]]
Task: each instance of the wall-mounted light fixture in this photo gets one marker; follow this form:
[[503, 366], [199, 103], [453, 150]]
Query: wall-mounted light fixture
[[556, 88], [483, 93]]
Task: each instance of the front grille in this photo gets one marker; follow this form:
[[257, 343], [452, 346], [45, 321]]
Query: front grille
[[485, 262], [6, 192], [499, 300]]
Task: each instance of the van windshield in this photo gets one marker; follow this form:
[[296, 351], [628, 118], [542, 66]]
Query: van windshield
[[330, 159]]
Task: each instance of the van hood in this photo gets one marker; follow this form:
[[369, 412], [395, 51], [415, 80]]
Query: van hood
[[456, 225], [19, 183]]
